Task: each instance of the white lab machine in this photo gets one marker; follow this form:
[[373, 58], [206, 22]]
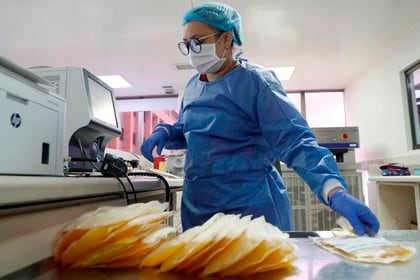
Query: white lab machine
[[31, 123], [309, 214], [91, 118], [342, 142]]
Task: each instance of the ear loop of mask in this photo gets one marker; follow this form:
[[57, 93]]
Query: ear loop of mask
[[224, 51]]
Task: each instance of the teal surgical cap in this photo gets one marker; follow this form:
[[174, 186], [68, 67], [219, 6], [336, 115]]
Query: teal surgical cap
[[221, 16]]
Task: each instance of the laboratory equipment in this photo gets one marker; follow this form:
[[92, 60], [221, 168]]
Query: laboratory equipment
[[308, 212], [91, 118], [175, 163], [341, 141], [32, 117]]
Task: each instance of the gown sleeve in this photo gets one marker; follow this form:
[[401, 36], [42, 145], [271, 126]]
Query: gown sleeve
[[292, 141]]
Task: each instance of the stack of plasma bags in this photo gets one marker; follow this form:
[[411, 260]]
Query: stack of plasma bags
[[136, 236]]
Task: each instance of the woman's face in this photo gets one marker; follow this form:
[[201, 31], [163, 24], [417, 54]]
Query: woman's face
[[197, 29]]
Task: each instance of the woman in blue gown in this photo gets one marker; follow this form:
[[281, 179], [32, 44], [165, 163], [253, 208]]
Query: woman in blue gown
[[235, 120]]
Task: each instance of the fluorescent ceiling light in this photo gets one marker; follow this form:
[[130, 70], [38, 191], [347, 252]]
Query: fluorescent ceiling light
[[115, 81], [283, 73]]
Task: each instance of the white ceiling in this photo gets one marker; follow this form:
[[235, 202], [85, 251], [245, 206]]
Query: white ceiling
[[329, 42]]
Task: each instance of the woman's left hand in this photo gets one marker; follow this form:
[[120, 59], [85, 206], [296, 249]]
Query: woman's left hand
[[358, 214]]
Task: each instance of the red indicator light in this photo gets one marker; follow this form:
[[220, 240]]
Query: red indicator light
[[344, 136]]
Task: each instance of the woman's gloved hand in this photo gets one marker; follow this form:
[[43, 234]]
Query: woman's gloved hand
[[358, 214], [158, 138]]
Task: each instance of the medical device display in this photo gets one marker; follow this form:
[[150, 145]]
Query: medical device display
[[91, 117]]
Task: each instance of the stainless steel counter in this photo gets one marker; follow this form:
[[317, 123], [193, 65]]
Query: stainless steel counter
[[34, 208], [313, 263], [40, 189]]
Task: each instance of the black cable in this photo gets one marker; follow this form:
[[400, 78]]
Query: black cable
[[79, 159], [124, 173], [85, 155], [96, 169], [165, 182], [129, 181], [163, 179], [125, 190], [132, 187]]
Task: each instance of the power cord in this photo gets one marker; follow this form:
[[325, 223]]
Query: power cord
[[132, 187], [109, 166], [85, 155], [116, 177], [163, 179], [116, 167], [125, 191]]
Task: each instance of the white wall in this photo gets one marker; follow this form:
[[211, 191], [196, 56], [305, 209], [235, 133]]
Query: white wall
[[376, 102]]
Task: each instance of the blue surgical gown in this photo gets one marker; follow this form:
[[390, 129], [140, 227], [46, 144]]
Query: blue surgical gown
[[234, 128]]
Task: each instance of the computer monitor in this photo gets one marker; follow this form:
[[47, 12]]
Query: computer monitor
[[101, 100], [102, 103], [91, 116]]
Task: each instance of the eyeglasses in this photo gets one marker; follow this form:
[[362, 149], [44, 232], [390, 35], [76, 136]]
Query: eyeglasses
[[194, 44]]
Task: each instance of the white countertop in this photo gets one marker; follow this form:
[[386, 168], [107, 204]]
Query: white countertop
[[404, 179], [21, 189]]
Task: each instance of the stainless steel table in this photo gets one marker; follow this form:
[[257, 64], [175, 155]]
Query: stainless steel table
[[34, 208], [313, 263]]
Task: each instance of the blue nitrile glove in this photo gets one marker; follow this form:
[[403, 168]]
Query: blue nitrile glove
[[359, 215], [158, 138]]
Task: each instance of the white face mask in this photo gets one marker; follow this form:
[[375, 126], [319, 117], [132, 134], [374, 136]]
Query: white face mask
[[206, 61]]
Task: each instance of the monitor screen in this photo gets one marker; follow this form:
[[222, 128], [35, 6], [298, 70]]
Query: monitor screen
[[102, 103]]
